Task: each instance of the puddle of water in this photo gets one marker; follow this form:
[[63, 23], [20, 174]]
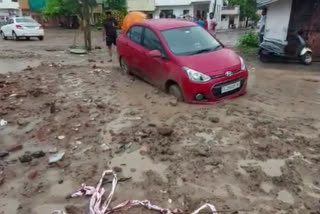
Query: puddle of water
[[139, 163], [271, 167], [285, 197], [14, 65]]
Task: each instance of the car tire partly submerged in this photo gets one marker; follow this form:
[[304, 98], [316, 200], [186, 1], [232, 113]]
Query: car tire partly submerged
[[307, 58], [124, 65], [175, 90], [14, 36]]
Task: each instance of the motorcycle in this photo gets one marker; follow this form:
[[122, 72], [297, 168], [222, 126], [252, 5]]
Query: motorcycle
[[293, 49]]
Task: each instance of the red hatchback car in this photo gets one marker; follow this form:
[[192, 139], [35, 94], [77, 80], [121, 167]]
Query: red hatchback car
[[183, 59]]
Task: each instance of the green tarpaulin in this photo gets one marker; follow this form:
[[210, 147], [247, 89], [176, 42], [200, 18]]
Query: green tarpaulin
[[36, 5]]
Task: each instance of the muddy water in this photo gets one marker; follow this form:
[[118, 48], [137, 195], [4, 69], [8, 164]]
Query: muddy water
[[134, 165], [15, 65]]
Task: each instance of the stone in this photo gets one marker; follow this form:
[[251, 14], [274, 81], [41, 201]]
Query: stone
[[117, 169], [26, 158], [15, 147], [38, 154], [165, 131], [32, 173], [4, 154], [214, 119], [60, 181], [173, 102]]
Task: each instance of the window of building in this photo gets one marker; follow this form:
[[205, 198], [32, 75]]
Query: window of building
[[167, 13], [186, 12], [14, 0]]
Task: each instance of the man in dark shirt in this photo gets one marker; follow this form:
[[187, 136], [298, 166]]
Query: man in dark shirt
[[110, 32]]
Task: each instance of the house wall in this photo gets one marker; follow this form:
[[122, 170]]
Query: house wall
[[177, 10], [9, 4], [278, 17], [141, 5]]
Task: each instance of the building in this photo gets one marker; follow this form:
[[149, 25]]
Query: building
[[285, 17], [230, 17], [8, 8], [146, 6], [188, 8]]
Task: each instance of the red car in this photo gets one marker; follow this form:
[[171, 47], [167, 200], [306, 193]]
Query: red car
[[183, 59]]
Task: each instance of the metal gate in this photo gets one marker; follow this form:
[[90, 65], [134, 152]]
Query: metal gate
[[305, 15]]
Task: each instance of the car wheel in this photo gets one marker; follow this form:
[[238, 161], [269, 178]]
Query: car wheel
[[124, 65], [174, 90], [41, 38], [264, 58], [3, 36], [307, 58], [14, 36], [28, 38]]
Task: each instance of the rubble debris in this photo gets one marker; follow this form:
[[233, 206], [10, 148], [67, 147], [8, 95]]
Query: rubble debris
[[52, 107], [28, 68], [91, 60], [21, 122], [105, 147], [32, 173], [117, 169], [165, 130], [61, 137], [214, 119], [71, 209], [97, 194], [15, 147], [54, 158], [25, 158], [1, 178], [173, 102], [4, 153], [3, 122], [38, 154]]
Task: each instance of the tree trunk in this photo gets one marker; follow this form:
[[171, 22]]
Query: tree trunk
[[247, 21], [86, 29]]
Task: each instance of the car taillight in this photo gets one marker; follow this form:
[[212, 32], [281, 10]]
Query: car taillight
[[19, 26], [40, 27]]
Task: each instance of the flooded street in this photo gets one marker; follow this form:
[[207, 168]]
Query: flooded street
[[256, 154]]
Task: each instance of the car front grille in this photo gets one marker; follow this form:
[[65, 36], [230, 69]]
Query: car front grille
[[216, 89], [224, 74]]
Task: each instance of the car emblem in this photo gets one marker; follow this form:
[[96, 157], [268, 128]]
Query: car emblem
[[228, 73]]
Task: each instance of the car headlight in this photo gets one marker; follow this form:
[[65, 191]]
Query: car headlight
[[243, 65], [196, 75]]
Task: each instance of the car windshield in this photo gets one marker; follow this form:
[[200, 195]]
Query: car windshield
[[190, 40], [25, 20]]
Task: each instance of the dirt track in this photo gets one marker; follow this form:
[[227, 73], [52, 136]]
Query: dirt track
[[258, 153]]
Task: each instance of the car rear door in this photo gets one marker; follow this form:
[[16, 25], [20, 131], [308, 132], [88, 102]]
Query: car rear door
[[154, 68], [7, 29], [135, 49]]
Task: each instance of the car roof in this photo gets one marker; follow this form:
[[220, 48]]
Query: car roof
[[165, 24]]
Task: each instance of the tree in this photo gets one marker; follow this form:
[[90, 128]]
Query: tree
[[115, 4], [248, 9], [80, 8]]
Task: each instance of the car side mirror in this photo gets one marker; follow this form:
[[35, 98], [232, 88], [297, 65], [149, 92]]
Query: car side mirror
[[155, 54]]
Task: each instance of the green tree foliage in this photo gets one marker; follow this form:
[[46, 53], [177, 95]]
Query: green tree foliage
[[53, 8], [248, 8], [248, 39], [115, 4]]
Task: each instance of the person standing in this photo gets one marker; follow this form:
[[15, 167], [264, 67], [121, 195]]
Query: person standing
[[262, 25], [200, 21], [110, 32], [212, 25]]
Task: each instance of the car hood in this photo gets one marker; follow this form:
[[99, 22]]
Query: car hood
[[212, 63]]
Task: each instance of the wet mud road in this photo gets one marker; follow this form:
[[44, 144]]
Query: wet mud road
[[258, 153]]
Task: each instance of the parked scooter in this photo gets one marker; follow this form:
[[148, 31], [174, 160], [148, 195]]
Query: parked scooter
[[295, 48]]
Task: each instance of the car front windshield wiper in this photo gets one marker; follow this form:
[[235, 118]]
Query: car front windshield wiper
[[203, 51]]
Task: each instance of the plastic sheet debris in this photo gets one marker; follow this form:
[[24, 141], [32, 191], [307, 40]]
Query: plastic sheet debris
[[53, 158], [98, 206], [3, 122]]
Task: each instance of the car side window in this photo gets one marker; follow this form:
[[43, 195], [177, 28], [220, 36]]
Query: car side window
[[151, 41], [10, 21], [135, 34]]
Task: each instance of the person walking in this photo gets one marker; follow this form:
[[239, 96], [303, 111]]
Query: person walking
[[212, 25], [110, 32]]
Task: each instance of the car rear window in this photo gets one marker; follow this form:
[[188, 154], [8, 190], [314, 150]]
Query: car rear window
[[25, 20], [190, 40]]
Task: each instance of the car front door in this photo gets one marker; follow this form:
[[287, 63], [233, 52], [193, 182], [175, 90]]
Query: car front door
[[154, 67], [135, 49]]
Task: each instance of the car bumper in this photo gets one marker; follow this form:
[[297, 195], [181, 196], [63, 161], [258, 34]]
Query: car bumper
[[212, 90], [31, 32]]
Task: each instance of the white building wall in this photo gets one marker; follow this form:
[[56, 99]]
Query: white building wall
[[177, 10], [9, 4], [141, 5], [278, 17]]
